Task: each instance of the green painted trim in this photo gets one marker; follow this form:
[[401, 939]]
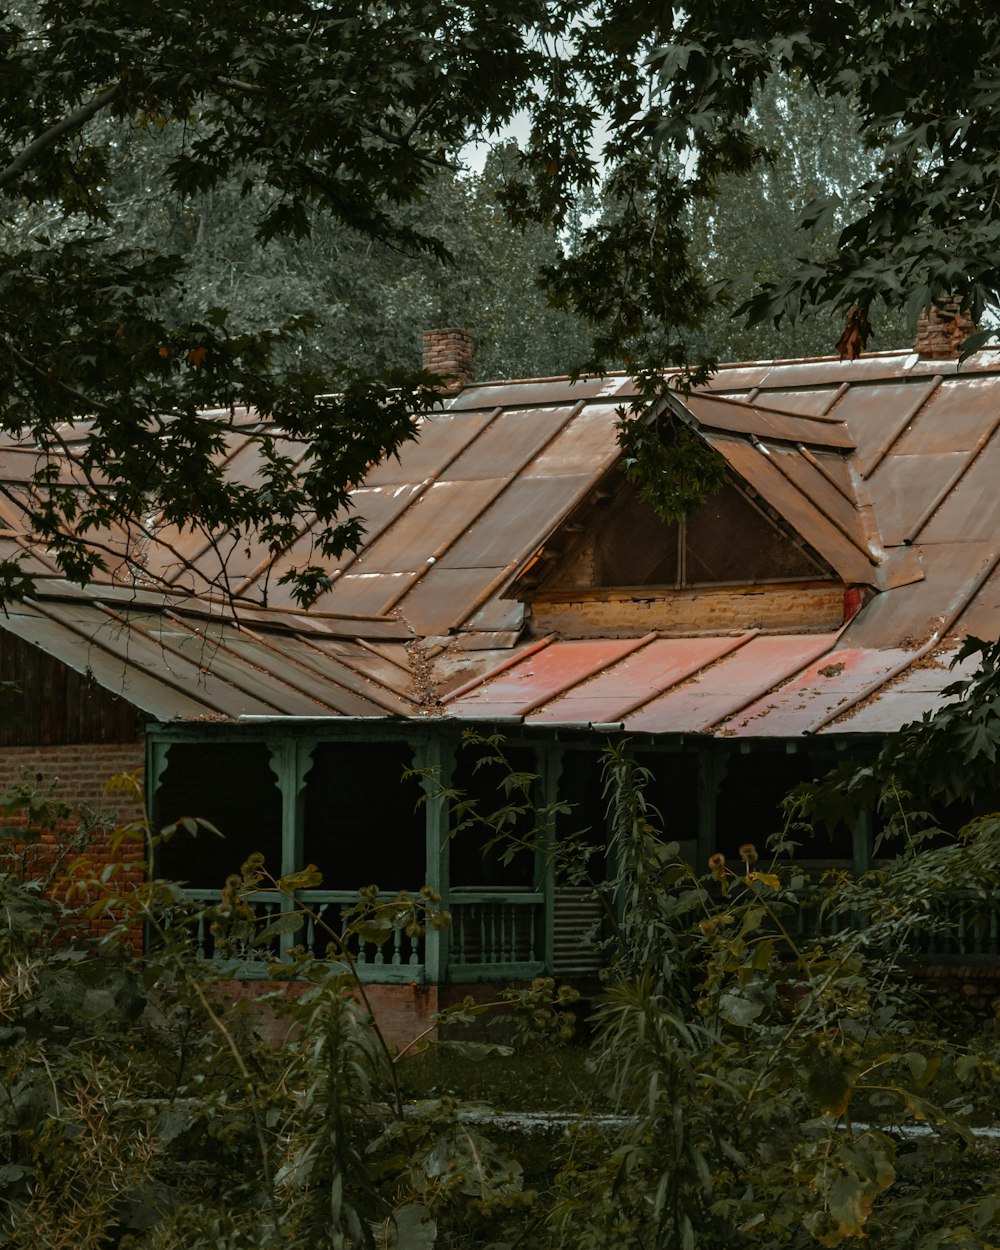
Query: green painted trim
[[472, 974], [434, 759], [862, 842], [291, 759], [551, 769], [712, 769]]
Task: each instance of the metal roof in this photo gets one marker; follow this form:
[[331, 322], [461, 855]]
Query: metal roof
[[885, 466]]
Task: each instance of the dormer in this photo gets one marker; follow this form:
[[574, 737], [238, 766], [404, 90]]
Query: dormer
[[616, 569], [788, 545]]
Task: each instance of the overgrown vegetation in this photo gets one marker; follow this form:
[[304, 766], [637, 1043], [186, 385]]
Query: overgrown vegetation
[[775, 1087]]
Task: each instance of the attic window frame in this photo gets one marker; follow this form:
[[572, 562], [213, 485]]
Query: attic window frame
[[822, 571]]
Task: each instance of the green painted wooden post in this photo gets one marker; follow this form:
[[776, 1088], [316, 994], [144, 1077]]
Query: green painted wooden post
[[862, 845], [712, 770], [291, 759], [435, 760], [550, 768], [862, 842], [156, 765]]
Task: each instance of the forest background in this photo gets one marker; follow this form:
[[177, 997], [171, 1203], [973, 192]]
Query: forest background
[[368, 301]]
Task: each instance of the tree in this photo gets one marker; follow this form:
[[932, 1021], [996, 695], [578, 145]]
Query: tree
[[350, 111], [751, 226]]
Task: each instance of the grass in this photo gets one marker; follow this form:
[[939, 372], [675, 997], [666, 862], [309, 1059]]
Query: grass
[[561, 1079]]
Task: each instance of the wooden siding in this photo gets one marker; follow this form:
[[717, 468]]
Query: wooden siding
[[56, 706]]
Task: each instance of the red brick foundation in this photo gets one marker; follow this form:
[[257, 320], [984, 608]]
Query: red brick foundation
[[401, 1011]]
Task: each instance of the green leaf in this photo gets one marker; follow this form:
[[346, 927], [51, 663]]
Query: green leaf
[[287, 922], [308, 878], [738, 1010], [410, 1227]]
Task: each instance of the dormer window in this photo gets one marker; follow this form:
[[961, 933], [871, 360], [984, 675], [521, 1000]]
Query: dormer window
[[731, 540]]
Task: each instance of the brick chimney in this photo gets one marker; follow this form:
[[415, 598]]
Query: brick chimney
[[448, 353], [942, 331]]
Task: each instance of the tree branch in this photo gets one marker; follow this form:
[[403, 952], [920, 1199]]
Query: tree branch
[[72, 121]]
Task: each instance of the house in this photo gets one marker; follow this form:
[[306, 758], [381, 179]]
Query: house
[[512, 581]]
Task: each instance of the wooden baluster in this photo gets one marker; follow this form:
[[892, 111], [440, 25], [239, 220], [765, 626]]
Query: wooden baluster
[[458, 934], [483, 945], [532, 916], [397, 947]]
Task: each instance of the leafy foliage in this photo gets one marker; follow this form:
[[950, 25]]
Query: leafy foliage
[[339, 127]]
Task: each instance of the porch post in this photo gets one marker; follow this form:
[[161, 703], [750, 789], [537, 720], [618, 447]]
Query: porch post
[[711, 773], [434, 758], [862, 840], [550, 768], [291, 759]]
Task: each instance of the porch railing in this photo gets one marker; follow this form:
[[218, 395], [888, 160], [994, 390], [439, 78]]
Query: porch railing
[[496, 934], [399, 959]]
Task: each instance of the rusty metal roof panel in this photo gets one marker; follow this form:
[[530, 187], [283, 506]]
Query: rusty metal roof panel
[[539, 391], [705, 703], [129, 662], [497, 615], [254, 673], [378, 506], [852, 520], [632, 682], [912, 613], [826, 371], [587, 445], [766, 423], [971, 510], [444, 598], [816, 401], [540, 677], [169, 667], [903, 698], [830, 682], [954, 418], [430, 526], [441, 437], [877, 415], [757, 467], [517, 521], [512, 440], [363, 594], [903, 488], [80, 651], [332, 686]]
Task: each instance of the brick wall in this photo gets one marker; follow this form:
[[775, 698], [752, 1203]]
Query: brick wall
[[81, 774], [602, 614], [402, 1011]]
